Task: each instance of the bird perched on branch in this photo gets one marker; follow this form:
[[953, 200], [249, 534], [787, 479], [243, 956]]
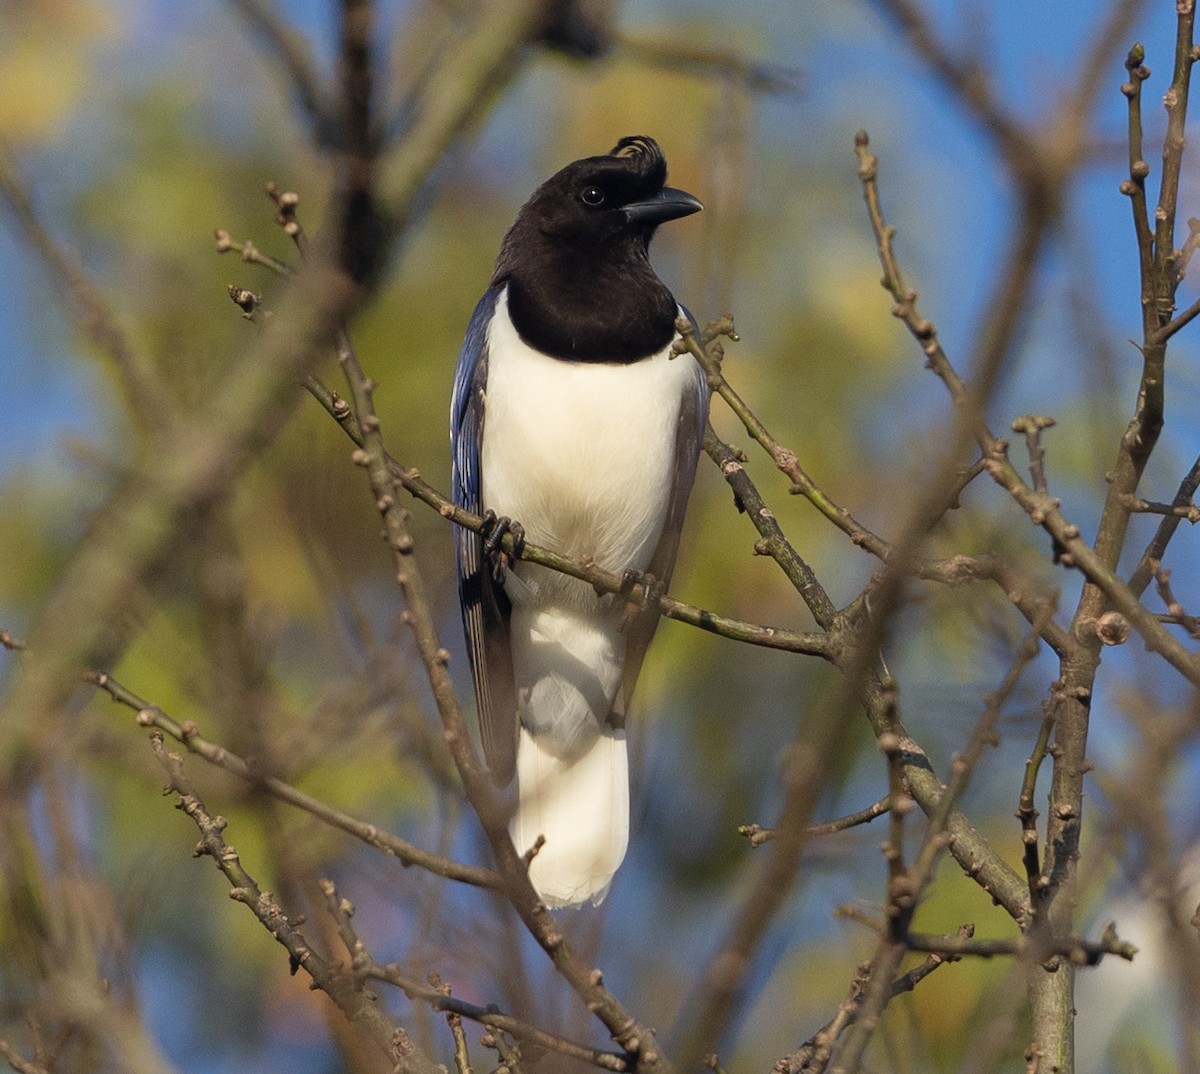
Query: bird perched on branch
[[572, 422]]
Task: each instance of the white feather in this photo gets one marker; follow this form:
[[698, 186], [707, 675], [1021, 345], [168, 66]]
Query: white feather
[[582, 454], [581, 808]]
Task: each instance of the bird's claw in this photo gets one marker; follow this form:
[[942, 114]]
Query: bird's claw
[[653, 592], [493, 531]]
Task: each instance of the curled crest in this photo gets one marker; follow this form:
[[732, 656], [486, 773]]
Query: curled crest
[[644, 152]]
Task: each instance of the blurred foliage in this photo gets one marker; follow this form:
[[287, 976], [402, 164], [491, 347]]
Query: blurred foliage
[[48, 64], [280, 636]]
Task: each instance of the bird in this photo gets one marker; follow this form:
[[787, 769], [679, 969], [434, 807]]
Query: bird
[[575, 425]]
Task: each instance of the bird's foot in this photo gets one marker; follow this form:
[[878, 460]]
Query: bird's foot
[[494, 529], [653, 591]]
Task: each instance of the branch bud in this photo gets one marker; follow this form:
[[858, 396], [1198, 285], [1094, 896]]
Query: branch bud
[[1112, 628]]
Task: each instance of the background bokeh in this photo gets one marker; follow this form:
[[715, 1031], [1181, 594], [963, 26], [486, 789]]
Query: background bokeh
[[141, 125]]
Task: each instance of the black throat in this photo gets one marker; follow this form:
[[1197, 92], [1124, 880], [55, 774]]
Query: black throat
[[584, 308]]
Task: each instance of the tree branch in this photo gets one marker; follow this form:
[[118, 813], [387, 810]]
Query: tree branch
[[187, 734], [357, 1003]]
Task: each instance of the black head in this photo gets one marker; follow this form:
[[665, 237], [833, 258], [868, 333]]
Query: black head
[[580, 282], [613, 199]]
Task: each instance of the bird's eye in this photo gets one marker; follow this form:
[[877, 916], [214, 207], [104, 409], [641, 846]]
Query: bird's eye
[[592, 196]]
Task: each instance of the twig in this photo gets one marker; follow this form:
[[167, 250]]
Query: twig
[[438, 995], [356, 1002], [900, 901], [1157, 547], [1032, 426], [1027, 812], [146, 396], [1190, 512], [905, 310], [1182, 320], [286, 204], [773, 542], [672, 53], [287, 47], [602, 581], [187, 734], [510, 1054], [759, 835], [462, 1058], [250, 253], [1043, 511], [813, 1056], [18, 1062], [1190, 245], [441, 1000], [1176, 102], [1135, 186], [1175, 610], [785, 460], [1075, 949]]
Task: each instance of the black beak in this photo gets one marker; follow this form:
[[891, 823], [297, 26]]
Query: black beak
[[667, 204]]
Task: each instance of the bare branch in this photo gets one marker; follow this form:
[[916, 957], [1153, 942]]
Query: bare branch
[[18, 1062], [1076, 949], [635, 591], [287, 48], [813, 1056], [146, 396], [358, 1004], [759, 835], [1156, 550], [187, 734], [1044, 511], [442, 1000]]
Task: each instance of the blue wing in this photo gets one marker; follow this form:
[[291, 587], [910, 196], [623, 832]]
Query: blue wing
[[485, 607]]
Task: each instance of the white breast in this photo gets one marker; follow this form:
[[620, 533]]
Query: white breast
[[581, 454]]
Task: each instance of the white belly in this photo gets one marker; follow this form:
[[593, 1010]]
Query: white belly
[[581, 454]]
